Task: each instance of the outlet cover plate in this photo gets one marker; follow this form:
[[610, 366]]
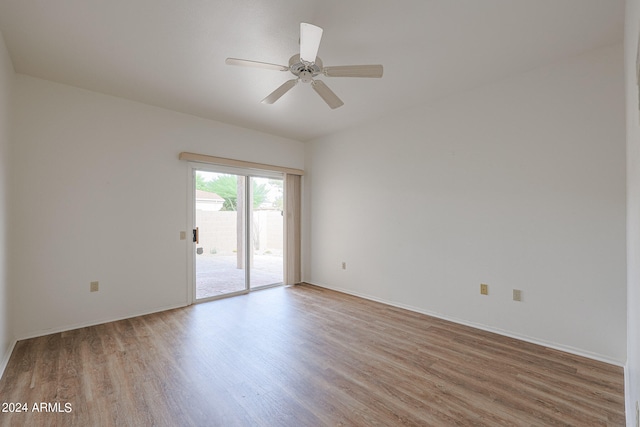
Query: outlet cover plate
[[484, 289], [517, 295], [95, 286]]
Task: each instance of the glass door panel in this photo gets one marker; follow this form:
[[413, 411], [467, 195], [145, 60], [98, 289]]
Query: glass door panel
[[220, 256], [267, 233]]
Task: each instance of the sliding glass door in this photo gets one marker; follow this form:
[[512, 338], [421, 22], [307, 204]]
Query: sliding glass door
[[267, 232], [238, 232], [219, 234]]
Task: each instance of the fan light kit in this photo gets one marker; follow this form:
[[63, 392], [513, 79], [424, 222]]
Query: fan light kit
[[307, 65]]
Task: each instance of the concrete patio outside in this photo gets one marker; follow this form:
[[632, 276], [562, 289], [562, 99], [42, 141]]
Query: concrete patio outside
[[218, 274]]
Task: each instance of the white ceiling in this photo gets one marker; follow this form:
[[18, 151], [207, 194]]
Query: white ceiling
[[170, 53]]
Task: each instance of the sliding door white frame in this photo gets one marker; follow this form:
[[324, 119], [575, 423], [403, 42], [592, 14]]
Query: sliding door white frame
[[193, 167]]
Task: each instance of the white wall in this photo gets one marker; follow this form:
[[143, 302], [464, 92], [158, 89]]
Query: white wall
[[520, 184], [6, 83], [99, 194], [632, 30]]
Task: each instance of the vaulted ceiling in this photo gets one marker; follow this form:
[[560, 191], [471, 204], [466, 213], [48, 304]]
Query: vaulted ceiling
[[171, 53]]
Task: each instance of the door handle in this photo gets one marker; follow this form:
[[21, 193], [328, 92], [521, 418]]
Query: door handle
[[196, 235]]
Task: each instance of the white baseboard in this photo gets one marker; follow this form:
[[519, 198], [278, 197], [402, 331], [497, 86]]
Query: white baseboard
[[40, 333], [628, 404], [7, 356], [552, 345]]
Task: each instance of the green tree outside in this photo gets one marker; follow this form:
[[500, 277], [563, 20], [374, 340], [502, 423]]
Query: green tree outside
[[226, 186]]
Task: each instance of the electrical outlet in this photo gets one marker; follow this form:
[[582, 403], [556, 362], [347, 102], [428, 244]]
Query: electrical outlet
[[183, 235], [344, 265], [517, 295], [484, 289], [94, 287]]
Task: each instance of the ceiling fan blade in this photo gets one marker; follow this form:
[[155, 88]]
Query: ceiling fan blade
[[310, 37], [373, 71], [256, 64], [327, 94], [276, 94]]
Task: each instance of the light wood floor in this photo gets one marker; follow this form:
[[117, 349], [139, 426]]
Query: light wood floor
[[303, 356]]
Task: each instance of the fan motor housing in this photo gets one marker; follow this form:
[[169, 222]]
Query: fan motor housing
[[304, 70]]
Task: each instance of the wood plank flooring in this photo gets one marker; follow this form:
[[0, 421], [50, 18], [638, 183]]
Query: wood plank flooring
[[302, 356]]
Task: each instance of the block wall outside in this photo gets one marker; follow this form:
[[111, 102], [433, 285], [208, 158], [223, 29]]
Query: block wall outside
[[218, 231]]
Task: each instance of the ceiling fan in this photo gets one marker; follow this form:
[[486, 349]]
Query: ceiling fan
[[307, 65]]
